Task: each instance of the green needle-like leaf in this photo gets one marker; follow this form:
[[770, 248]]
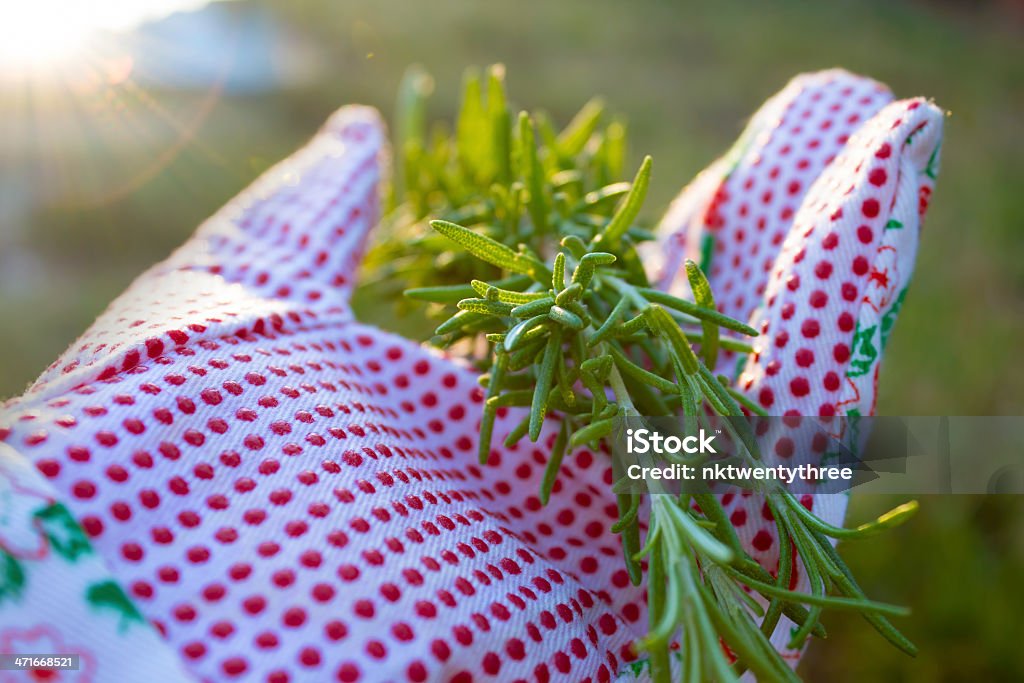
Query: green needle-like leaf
[[507, 296], [629, 208], [545, 378], [592, 432], [614, 149], [630, 539], [703, 297], [628, 517], [532, 308], [486, 306], [487, 421], [558, 273], [608, 193], [690, 308], [524, 332], [500, 122], [410, 124], [664, 323], [608, 326], [533, 175], [569, 295], [572, 140], [771, 589], [554, 463], [491, 251], [518, 432], [451, 294], [471, 130], [633, 370], [740, 398], [460, 320], [889, 520], [585, 270], [566, 318], [575, 245]]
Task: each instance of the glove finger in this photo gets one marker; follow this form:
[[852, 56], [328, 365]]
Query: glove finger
[[840, 279], [298, 231], [733, 218], [833, 297], [280, 255], [831, 301], [726, 218], [835, 291]]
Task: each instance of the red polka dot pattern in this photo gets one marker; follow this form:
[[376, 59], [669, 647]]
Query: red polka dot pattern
[[747, 202], [852, 245], [813, 221], [291, 495]]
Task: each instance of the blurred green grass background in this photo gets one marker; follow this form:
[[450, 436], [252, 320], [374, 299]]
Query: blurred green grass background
[[138, 168]]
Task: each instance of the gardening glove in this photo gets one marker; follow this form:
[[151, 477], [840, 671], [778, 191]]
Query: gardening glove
[[287, 494], [808, 229]]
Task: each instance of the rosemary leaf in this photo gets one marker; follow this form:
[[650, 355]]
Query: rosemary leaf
[[489, 250], [533, 175], [629, 208], [545, 378], [703, 297], [696, 311], [554, 462], [572, 140]]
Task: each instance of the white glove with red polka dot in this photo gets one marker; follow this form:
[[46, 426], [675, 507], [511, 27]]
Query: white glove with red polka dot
[[288, 494]]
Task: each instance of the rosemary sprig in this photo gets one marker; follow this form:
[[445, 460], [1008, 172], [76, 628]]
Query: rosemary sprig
[[508, 177], [534, 242]]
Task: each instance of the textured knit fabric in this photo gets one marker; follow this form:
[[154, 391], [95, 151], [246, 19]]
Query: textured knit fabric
[[808, 229], [287, 494]]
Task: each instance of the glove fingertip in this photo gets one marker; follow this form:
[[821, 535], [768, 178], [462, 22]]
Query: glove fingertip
[[357, 123], [842, 274], [732, 218]]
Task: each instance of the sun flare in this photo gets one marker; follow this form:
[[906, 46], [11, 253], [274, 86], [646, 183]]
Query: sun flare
[[44, 35], [33, 36]]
